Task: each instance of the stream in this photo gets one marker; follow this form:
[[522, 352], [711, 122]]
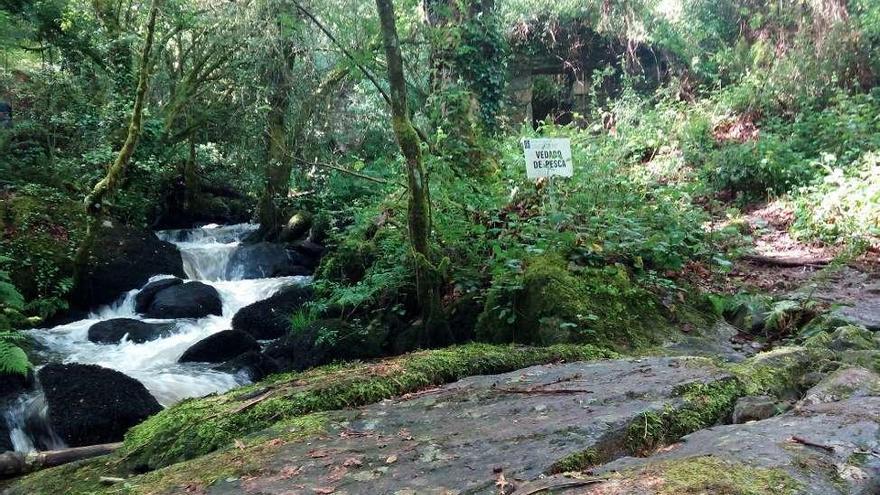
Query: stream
[[207, 254]]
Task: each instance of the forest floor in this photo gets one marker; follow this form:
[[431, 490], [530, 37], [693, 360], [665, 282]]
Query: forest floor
[[787, 268]]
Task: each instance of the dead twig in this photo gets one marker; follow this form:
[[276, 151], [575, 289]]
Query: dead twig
[[803, 441]]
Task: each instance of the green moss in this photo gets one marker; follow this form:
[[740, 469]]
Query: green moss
[[778, 372], [576, 462], [703, 405], [197, 427], [699, 475], [243, 459], [560, 303]]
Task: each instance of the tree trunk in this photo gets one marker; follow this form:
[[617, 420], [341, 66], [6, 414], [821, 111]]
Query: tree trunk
[[94, 201], [278, 164], [278, 174], [192, 185], [436, 331]]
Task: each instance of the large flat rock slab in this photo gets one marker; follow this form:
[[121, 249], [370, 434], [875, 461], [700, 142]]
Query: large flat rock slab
[[456, 439], [828, 444]]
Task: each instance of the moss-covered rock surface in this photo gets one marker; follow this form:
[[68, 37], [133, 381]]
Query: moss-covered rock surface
[[293, 431], [197, 427]]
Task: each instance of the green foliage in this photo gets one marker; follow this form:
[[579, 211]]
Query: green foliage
[[845, 205], [13, 359]]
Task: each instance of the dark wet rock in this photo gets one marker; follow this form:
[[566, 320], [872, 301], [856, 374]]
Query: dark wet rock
[[189, 300], [254, 364], [322, 342], [123, 259], [113, 331], [14, 384], [220, 347], [144, 298], [90, 405], [455, 438], [213, 204], [64, 317], [5, 439], [310, 252], [754, 408], [270, 318], [263, 260], [825, 446]]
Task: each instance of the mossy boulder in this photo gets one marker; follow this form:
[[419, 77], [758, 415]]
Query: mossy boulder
[[779, 372], [820, 324], [559, 302], [297, 227], [844, 338], [124, 258]]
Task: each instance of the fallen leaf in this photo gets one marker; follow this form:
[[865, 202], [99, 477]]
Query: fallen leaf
[[324, 491], [391, 459], [352, 461], [317, 454], [239, 444]]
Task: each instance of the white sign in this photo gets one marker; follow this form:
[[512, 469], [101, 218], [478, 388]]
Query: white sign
[[546, 157]]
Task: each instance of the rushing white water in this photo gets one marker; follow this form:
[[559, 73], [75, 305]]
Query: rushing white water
[[206, 253]]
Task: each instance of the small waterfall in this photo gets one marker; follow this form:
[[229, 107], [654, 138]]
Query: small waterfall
[[206, 253], [28, 424]]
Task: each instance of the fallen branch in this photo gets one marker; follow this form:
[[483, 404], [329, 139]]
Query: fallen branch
[[803, 441], [18, 463], [786, 262]]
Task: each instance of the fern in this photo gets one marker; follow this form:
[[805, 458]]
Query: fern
[[13, 359], [783, 315]]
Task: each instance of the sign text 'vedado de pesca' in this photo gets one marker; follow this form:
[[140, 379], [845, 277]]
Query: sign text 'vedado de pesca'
[[546, 157]]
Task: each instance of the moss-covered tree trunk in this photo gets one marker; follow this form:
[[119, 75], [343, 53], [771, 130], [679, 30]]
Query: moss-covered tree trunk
[[419, 211], [94, 201], [285, 145], [279, 83]]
